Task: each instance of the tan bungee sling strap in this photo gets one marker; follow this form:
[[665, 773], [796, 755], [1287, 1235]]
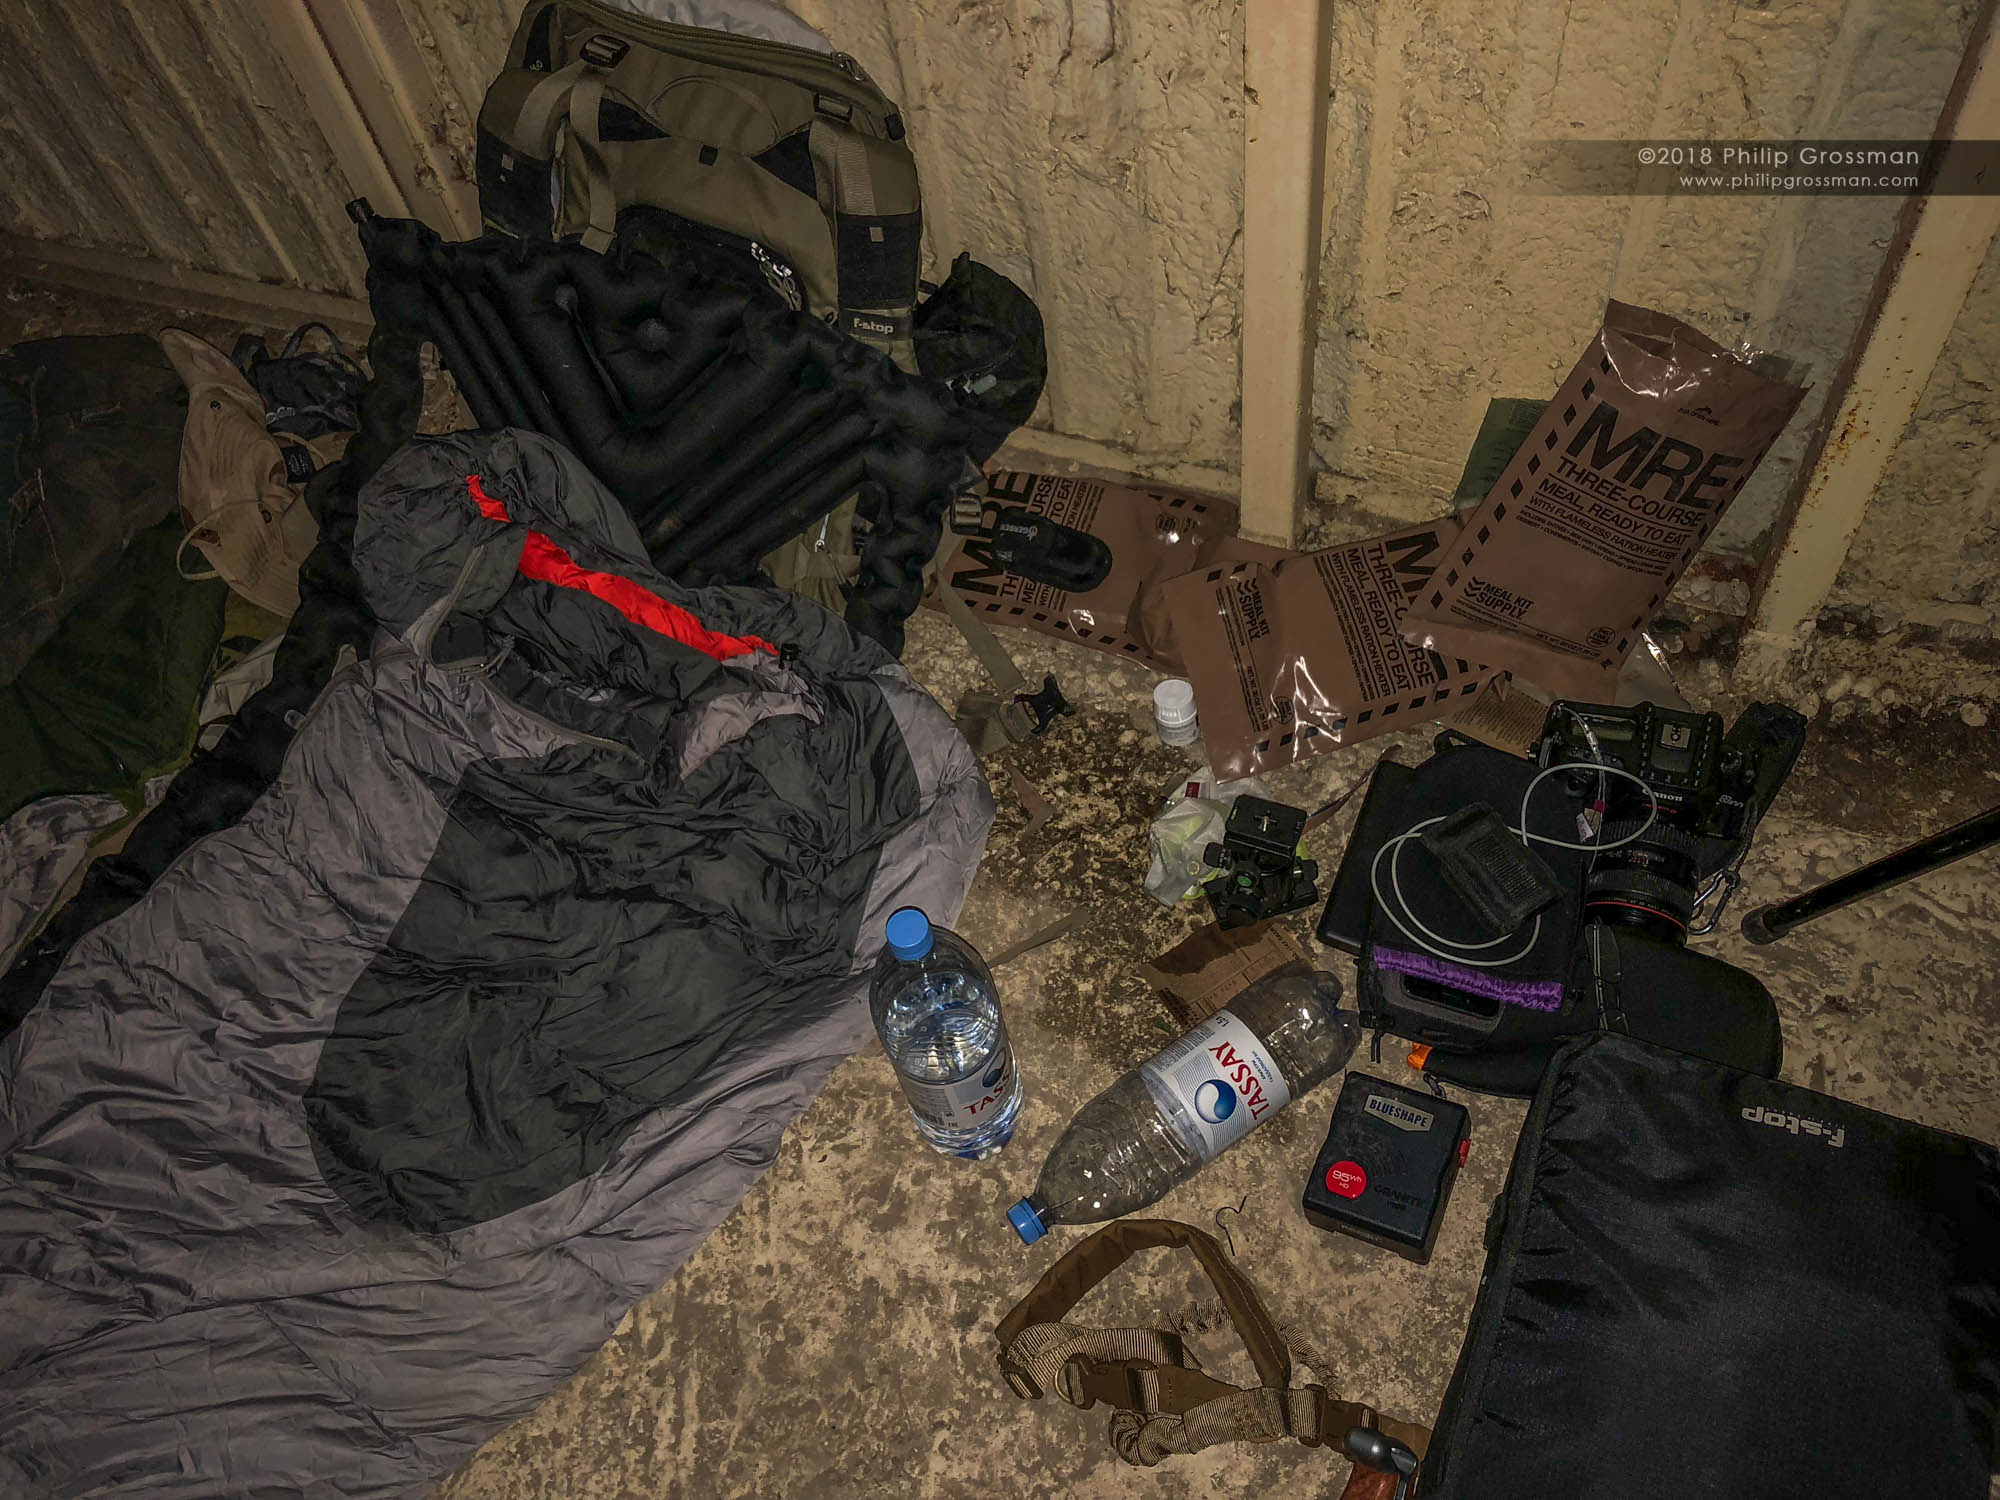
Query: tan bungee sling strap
[[1165, 1403]]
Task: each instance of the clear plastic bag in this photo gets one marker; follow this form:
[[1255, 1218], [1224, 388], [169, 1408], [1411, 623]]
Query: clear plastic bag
[[1193, 818]]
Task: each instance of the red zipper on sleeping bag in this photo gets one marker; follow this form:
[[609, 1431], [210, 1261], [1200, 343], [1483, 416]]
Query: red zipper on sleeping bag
[[545, 562]]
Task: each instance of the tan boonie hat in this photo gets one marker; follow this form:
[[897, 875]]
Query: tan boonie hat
[[242, 486]]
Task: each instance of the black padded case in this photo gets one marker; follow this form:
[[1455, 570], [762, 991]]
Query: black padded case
[[1702, 1282]]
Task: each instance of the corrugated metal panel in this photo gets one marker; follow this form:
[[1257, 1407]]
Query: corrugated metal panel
[[170, 129], [262, 206]]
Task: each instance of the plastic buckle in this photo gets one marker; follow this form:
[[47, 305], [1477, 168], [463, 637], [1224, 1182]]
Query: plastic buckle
[[1046, 704], [1020, 1382], [1083, 1383], [967, 512], [604, 50]]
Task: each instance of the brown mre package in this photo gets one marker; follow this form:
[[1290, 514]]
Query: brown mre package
[[1594, 520], [1297, 657], [1153, 536]]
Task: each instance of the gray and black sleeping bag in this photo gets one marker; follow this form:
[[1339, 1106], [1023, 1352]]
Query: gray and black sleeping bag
[[350, 1139]]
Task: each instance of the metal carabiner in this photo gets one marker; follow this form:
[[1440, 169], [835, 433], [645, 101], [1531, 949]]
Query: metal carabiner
[[1725, 880]]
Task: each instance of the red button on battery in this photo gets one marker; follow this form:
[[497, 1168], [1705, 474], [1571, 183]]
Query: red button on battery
[[1347, 1178]]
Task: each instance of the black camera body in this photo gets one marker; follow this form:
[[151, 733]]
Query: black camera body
[[1487, 1009], [1260, 872], [1708, 789]]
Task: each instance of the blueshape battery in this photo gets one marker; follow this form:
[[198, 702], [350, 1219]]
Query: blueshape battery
[[1388, 1164]]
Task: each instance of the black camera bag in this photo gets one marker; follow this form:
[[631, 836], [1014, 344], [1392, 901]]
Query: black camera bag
[[1701, 1282], [1579, 976]]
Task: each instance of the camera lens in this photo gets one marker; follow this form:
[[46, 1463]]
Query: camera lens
[[1650, 884]]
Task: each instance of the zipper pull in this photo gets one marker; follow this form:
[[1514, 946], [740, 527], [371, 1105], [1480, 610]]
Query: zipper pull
[[784, 281], [850, 67]]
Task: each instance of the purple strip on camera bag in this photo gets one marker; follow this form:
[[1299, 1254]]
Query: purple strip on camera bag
[[1531, 994]]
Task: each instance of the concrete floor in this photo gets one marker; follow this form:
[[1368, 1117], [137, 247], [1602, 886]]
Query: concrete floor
[[835, 1337]]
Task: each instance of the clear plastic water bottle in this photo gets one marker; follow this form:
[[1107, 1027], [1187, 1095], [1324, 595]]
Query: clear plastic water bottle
[[938, 1015], [1168, 1118]]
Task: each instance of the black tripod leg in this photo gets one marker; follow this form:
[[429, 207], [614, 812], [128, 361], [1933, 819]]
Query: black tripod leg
[[1768, 923]]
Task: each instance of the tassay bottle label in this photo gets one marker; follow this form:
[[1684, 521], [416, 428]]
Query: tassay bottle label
[[1216, 1084], [965, 1103]]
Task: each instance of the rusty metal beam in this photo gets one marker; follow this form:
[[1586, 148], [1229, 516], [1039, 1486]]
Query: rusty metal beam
[[309, 58], [399, 95]]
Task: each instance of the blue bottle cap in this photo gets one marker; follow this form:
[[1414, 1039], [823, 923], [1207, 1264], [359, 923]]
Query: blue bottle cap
[[1027, 1223], [909, 932]]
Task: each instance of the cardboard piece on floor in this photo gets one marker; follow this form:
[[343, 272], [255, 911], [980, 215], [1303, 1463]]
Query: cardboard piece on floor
[[1201, 974], [1508, 718]]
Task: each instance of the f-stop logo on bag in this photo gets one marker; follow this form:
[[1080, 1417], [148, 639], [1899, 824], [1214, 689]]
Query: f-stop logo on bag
[[1833, 1135]]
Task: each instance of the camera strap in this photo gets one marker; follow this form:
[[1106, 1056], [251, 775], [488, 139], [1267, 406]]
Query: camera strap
[[1606, 977], [1163, 1401]]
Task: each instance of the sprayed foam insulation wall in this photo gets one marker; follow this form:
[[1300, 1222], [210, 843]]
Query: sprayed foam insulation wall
[[1093, 150], [1444, 284], [1928, 552]]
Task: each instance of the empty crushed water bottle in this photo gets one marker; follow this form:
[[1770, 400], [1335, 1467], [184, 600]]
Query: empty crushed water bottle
[[1168, 1118], [938, 1015]]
